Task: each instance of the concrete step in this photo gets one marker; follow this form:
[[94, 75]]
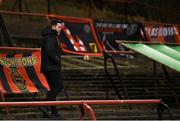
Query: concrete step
[[103, 113]]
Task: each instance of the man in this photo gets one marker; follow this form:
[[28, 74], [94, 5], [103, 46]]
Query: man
[[51, 66]]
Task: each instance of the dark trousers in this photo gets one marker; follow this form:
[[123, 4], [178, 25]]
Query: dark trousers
[[56, 86]]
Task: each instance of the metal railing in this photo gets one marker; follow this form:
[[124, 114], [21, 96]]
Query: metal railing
[[84, 105]]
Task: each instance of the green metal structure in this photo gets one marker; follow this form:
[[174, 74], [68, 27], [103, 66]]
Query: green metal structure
[[167, 55]]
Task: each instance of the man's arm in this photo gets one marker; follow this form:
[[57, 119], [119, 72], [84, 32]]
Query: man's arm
[[51, 52]]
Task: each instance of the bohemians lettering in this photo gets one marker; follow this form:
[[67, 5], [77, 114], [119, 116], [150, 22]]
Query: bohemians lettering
[[15, 62], [161, 31]]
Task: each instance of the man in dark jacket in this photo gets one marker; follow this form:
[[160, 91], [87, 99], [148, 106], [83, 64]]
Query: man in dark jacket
[[51, 62]]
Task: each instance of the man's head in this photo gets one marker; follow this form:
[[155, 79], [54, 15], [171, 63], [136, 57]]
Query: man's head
[[56, 25]]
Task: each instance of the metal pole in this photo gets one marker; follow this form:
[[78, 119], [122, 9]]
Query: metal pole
[[106, 73], [126, 12], [26, 6], [53, 5], [78, 102], [121, 81], [155, 79], [90, 8], [20, 5], [3, 99], [5, 32], [89, 111], [171, 85], [49, 7], [14, 5]]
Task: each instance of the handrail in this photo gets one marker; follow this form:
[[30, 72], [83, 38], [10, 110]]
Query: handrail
[[23, 13], [53, 15], [119, 52], [108, 76], [146, 42], [90, 102], [85, 105], [38, 49], [89, 110], [40, 15], [19, 48], [159, 23]]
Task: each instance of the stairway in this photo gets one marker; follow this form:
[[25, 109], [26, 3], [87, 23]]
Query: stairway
[[84, 81]]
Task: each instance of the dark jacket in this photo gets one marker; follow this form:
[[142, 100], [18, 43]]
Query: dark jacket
[[50, 51]]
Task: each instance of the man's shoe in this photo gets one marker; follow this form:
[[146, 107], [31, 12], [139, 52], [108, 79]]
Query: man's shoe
[[52, 115]]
